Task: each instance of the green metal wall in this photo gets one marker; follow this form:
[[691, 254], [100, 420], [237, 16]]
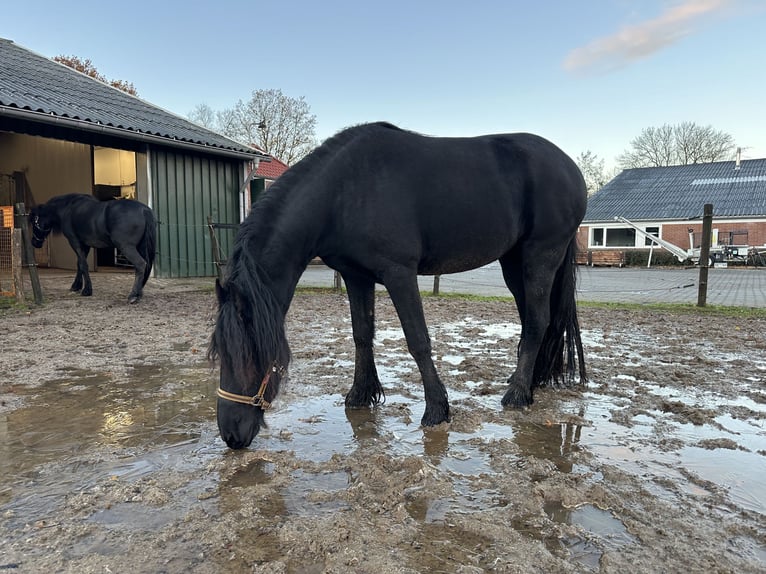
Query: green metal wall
[[186, 189]]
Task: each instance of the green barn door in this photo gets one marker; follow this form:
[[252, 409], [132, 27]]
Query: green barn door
[[186, 190]]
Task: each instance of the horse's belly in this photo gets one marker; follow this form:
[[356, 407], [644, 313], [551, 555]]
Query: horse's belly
[[100, 243], [454, 264]]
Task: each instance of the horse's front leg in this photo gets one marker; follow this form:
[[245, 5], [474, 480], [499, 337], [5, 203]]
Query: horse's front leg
[[82, 278], [366, 390], [402, 285], [77, 283]]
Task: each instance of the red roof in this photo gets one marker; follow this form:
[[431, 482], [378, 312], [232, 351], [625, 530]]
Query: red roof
[[271, 169]]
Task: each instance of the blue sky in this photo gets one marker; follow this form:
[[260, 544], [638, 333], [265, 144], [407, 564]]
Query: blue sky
[[589, 75]]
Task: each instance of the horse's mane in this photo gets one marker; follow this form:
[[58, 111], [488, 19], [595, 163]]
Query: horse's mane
[[249, 333], [331, 146], [264, 214]]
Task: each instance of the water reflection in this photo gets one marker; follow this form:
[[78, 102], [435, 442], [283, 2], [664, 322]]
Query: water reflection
[[365, 424], [556, 442], [85, 410], [435, 444]]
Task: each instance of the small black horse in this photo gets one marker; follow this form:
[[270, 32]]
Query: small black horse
[[87, 222], [383, 205]]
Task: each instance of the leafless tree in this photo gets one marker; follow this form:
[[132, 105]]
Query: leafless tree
[[279, 125], [205, 116], [593, 170], [679, 144], [87, 68]]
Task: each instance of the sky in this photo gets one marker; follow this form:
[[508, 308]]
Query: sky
[[589, 75]]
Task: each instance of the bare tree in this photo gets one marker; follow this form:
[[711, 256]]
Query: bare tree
[[697, 144], [87, 68], [205, 116], [679, 144], [279, 125], [593, 170]]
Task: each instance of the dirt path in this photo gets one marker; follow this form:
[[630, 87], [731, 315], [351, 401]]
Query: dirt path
[[111, 460]]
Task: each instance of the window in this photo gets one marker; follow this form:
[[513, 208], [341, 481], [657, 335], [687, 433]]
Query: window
[[651, 231], [620, 237], [598, 236]]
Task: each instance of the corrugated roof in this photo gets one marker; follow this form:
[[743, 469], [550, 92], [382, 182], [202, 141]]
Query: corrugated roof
[[39, 89], [680, 192]]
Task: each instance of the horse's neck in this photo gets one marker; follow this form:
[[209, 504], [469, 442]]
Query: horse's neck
[[57, 212], [283, 243]]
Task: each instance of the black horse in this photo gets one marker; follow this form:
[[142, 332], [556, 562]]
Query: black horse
[[87, 222], [383, 205]]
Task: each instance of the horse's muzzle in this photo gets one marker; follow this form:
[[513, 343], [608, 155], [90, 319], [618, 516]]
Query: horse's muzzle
[[238, 424]]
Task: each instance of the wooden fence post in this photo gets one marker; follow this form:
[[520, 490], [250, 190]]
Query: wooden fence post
[[216, 249], [704, 261], [22, 222]]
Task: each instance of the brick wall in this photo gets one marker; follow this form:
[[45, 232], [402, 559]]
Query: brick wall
[[679, 234]]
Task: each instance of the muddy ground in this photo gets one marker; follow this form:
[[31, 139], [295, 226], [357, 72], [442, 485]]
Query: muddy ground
[[111, 460]]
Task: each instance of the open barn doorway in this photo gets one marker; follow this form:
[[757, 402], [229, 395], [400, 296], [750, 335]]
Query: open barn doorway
[[114, 178]]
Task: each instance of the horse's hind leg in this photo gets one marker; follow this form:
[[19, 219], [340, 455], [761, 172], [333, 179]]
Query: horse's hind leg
[[511, 266], [537, 274], [366, 390], [131, 254], [402, 285]]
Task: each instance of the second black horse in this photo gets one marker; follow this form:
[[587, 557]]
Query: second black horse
[[86, 222]]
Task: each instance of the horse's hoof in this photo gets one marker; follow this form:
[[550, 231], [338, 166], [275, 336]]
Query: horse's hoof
[[86, 293], [357, 402], [370, 397], [516, 397], [133, 299], [434, 417]]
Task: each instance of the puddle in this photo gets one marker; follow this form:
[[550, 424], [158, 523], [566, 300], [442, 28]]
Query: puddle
[[598, 529], [66, 417], [146, 420]]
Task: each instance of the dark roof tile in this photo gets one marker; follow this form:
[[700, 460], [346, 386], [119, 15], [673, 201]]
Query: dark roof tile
[[39, 85], [680, 192]]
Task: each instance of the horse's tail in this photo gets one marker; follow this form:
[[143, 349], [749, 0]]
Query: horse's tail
[[562, 339], [148, 246]]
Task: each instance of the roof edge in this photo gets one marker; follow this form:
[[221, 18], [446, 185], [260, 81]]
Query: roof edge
[[52, 119]]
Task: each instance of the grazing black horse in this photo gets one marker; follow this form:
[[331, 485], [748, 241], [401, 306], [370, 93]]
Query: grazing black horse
[[383, 205], [87, 222]]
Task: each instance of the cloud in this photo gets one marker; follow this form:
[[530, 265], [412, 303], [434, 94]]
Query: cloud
[[641, 40]]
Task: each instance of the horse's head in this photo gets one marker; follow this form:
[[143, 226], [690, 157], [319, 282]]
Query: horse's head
[[42, 225], [253, 361]]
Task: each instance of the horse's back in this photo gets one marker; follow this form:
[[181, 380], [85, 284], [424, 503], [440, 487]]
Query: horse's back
[[456, 203], [523, 167], [101, 223], [128, 218]]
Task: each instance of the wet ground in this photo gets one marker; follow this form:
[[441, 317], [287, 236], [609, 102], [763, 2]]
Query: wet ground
[[111, 460]]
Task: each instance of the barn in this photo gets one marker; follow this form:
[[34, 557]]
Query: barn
[[668, 202], [64, 132]]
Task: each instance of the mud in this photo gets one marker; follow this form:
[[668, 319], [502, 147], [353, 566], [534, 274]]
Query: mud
[[111, 461]]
